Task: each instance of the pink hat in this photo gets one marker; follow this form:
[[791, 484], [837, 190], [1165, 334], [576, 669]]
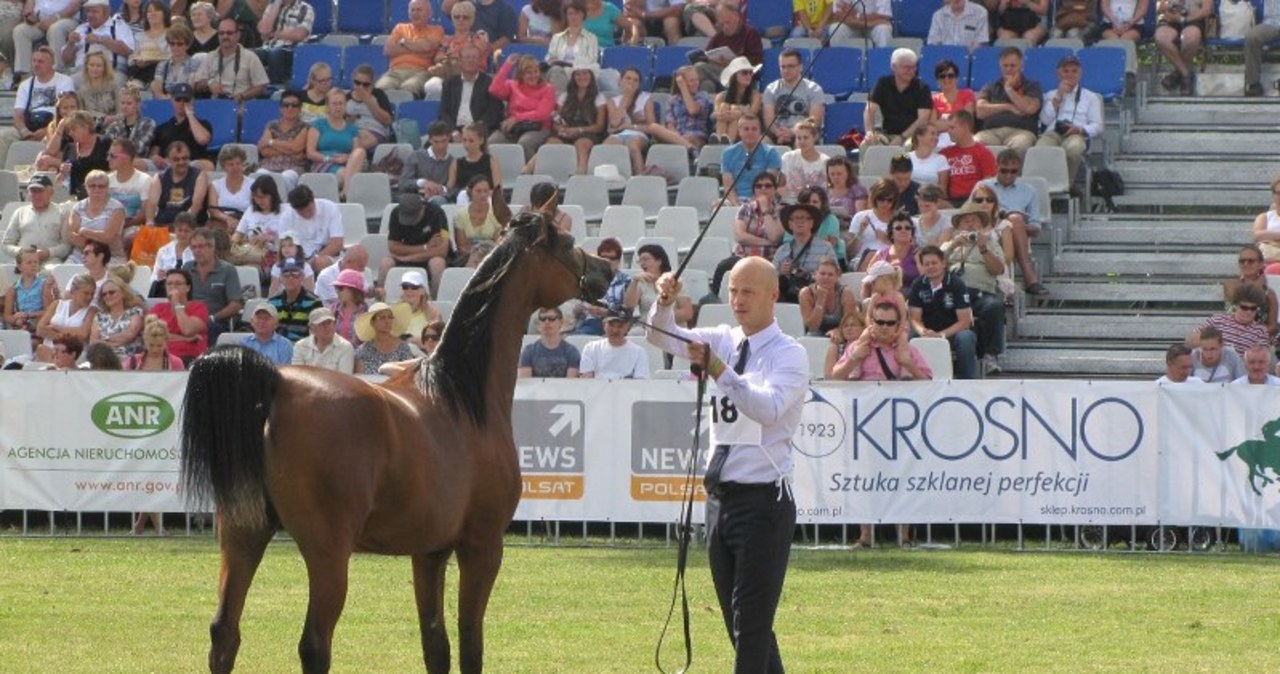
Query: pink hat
[[350, 278]]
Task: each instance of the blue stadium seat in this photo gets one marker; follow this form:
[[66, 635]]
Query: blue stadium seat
[[911, 18], [323, 24], [257, 114], [366, 16], [621, 58], [771, 18], [158, 109], [1259, 9], [439, 17], [985, 67], [838, 70], [931, 55], [423, 112], [769, 67], [362, 53], [1103, 71], [538, 51], [1042, 65], [306, 55], [666, 61], [877, 65], [222, 117], [840, 117]]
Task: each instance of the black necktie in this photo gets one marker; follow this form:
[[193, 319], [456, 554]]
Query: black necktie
[[712, 477], [744, 352]]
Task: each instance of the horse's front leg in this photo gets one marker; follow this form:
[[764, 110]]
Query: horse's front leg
[[327, 573], [477, 570], [428, 588], [241, 553]]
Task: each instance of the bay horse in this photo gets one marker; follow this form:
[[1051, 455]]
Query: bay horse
[[422, 465]]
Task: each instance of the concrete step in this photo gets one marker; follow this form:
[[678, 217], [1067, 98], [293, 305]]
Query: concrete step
[[1055, 360], [1114, 327], [1129, 294], [1075, 263], [1200, 173], [1218, 238], [1210, 113], [1187, 139], [1251, 197]]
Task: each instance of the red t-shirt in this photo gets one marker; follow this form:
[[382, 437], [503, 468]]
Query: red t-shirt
[[969, 166], [178, 347], [964, 99]]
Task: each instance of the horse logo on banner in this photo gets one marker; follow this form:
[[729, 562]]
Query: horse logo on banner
[[1259, 455]]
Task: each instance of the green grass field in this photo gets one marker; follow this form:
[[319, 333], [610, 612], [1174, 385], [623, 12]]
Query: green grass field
[[135, 606]]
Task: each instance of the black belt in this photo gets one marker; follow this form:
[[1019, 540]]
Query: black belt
[[724, 489]]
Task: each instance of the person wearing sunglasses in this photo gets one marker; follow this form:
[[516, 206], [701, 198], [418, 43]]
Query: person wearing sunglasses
[[550, 357], [179, 66], [951, 97], [370, 108], [1239, 327], [285, 24], [1017, 203], [429, 338], [757, 230], [590, 317], [1250, 263], [975, 254], [231, 71], [282, 146], [879, 354]]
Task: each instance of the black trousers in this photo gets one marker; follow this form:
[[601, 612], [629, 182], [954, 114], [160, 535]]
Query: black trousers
[[749, 533]]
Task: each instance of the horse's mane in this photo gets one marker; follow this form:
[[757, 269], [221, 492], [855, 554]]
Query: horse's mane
[[459, 369]]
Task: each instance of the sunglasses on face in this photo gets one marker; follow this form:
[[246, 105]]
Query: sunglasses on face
[[548, 319], [764, 186], [983, 200], [409, 286], [902, 228], [430, 337], [291, 104], [362, 84], [880, 199], [885, 324], [1247, 307], [947, 76]]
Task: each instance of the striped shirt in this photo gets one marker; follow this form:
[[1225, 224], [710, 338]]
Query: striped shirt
[[1239, 336]]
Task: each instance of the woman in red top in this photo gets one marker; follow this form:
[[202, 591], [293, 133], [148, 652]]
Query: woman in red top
[[950, 99], [531, 101], [187, 319]]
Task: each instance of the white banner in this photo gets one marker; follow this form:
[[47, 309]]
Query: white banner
[[998, 451]]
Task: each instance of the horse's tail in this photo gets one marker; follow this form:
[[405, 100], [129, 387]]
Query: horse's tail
[[228, 400], [1226, 454]]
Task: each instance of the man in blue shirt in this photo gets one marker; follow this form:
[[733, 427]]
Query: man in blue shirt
[[939, 302], [734, 160], [265, 340], [1020, 205]]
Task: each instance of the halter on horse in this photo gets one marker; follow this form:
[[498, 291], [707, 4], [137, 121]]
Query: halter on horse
[[421, 465]]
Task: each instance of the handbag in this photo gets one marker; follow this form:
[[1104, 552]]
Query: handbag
[[1073, 14], [520, 128]]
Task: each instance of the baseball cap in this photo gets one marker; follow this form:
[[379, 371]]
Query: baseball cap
[[410, 209], [180, 90], [320, 315], [268, 308], [39, 181], [290, 265]]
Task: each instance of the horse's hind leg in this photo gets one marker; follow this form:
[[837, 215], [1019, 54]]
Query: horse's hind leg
[[242, 550], [478, 569], [428, 586], [327, 573]]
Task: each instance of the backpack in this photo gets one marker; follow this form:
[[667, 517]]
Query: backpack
[[1107, 184]]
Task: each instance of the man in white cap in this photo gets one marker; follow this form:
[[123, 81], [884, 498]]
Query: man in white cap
[[614, 357], [100, 32], [324, 347], [38, 223], [734, 35], [264, 339]]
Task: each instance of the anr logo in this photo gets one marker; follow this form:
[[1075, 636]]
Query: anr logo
[[132, 415], [822, 427]]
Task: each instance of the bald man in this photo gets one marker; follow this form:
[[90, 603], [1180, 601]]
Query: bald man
[[751, 514]]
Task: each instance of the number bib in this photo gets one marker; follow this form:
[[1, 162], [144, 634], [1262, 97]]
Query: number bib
[[728, 425]]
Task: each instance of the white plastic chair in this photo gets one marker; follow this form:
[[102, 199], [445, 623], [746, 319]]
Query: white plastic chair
[[16, 343], [453, 282], [617, 155], [816, 348], [710, 252], [557, 161], [789, 319], [874, 162], [510, 158], [232, 338], [937, 353], [679, 223], [647, 192], [371, 190], [353, 222], [699, 192], [624, 223], [670, 158], [589, 192], [523, 185], [1049, 163], [323, 185]]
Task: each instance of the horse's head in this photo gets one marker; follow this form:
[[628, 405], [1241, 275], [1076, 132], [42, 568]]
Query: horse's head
[[564, 271]]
